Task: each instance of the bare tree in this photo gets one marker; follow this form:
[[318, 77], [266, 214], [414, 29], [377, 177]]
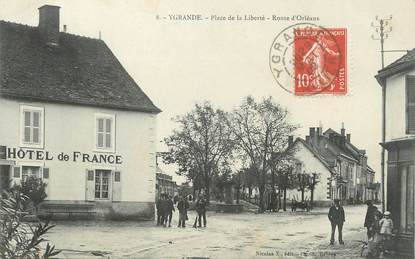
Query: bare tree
[[202, 141], [260, 130]]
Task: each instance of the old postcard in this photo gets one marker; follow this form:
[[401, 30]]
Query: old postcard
[[207, 129]]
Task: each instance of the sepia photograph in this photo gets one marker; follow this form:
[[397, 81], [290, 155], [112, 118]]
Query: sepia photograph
[[207, 129]]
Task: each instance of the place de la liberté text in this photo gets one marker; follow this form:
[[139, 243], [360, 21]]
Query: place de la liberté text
[[237, 18]]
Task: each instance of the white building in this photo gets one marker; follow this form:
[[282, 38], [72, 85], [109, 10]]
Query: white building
[[398, 81], [73, 117], [341, 169]]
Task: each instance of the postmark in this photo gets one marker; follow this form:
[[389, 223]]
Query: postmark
[[307, 59]]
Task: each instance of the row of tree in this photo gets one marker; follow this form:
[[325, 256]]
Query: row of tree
[[247, 145]]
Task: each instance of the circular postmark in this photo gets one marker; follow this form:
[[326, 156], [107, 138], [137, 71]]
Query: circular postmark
[[307, 59]]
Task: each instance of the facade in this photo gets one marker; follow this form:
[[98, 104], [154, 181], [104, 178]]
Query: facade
[[165, 184], [398, 81], [341, 169], [74, 118]]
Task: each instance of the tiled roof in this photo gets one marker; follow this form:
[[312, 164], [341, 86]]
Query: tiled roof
[[407, 61], [80, 71], [327, 164], [327, 151]]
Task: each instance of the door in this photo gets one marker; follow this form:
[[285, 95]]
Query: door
[[4, 177]]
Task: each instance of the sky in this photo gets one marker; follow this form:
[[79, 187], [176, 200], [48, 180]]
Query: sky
[[180, 63]]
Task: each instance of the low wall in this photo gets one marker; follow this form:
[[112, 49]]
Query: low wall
[[104, 210]]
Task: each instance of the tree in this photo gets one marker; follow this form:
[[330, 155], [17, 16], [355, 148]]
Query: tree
[[260, 130], [313, 181], [202, 141], [249, 180], [302, 182]]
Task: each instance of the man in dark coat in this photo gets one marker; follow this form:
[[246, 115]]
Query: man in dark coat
[[164, 209], [160, 211], [201, 211], [370, 217], [182, 206], [337, 218], [169, 210]]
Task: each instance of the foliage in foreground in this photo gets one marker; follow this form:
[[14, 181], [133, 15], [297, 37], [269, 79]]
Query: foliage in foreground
[[19, 239]]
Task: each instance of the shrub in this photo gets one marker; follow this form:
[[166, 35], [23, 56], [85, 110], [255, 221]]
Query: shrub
[[34, 189], [19, 239]]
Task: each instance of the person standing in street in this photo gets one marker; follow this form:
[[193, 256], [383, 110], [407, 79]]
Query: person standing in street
[[201, 211], [337, 218], [169, 211], [182, 206], [370, 217], [159, 208]]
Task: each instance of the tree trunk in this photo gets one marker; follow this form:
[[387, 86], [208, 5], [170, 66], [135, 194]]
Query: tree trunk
[[261, 199], [249, 193], [237, 195], [312, 197], [285, 200]]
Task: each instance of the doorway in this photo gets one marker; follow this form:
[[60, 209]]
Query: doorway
[[4, 177]]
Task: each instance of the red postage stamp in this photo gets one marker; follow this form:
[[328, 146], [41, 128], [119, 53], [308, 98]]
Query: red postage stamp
[[320, 64]]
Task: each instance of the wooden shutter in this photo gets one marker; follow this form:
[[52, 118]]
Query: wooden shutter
[[45, 179], [90, 185], [116, 186], [410, 104]]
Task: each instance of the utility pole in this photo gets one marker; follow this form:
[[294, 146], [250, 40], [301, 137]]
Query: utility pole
[[382, 29]]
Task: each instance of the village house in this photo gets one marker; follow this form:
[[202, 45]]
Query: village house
[[73, 117], [398, 82], [341, 168]]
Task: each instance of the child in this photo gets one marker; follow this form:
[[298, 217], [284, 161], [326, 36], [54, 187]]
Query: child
[[386, 227], [375, 240]]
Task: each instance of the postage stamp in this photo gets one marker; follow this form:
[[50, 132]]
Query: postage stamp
[[307, 59]]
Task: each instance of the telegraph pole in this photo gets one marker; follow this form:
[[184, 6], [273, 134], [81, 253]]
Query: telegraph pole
[[382, 28]]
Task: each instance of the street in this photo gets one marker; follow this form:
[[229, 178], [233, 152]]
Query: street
[[245, 235]]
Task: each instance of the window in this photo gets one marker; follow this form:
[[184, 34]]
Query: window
[[410, 105], [31, 126], [407, 199], [102, 184], [105, 129], [298, 167], [30, 171]]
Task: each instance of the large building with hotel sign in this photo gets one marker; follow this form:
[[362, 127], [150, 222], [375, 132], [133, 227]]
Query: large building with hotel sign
[[73, 117]]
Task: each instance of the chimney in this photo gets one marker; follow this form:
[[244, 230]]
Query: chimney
[[49, 24], [290, 141], [312, 132], [348, 138], [343, 130], [307, 139], [318, 131]]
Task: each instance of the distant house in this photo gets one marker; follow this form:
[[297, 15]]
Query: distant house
[[165, 184], [341, 168], [398, 81], [74, 118]]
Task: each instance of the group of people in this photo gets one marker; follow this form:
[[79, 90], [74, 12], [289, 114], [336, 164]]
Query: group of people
[[379, 227], [165, 207]]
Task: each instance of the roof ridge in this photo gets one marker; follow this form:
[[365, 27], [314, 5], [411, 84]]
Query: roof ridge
[[16, 23], [60, 32]]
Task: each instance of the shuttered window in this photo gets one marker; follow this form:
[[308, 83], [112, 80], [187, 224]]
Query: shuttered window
[[410, 105], [32, 126], [105, 127]]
